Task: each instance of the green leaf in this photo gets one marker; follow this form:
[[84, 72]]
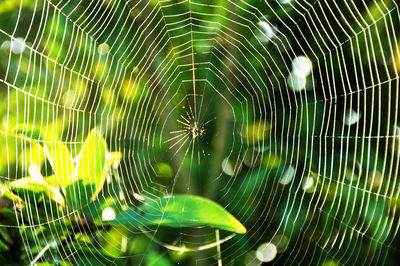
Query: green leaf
[[180, 211], [90, 172], [28, 131], [37, 185]]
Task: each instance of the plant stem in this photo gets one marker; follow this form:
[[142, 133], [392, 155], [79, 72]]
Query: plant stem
[[41, 253], [218, 247]]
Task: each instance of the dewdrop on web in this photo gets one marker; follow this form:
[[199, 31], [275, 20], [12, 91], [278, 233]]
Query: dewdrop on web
[[18, 45], [301, 69], [287, 176], [295, 82], [267, 31], [138, 197], [310, 182], [351, 117], [301, 66], [227, 167], [266, 252], [103, 48]]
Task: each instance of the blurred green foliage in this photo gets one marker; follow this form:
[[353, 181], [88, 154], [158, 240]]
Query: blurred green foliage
[[283, 162]]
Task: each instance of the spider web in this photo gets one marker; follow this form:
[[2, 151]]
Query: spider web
[[285, 112]]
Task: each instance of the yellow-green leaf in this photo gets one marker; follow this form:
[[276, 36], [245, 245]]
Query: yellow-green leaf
[[61, 160], [37, 185], [56, 152]]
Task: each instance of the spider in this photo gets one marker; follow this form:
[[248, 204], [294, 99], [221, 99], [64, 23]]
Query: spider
[[190, 131], [196, 131]]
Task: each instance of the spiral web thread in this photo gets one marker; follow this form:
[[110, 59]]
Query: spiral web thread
[[129, 67]]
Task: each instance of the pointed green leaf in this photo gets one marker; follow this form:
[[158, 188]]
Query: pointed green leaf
[[180, 211], [90, 172], [61, 160]]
